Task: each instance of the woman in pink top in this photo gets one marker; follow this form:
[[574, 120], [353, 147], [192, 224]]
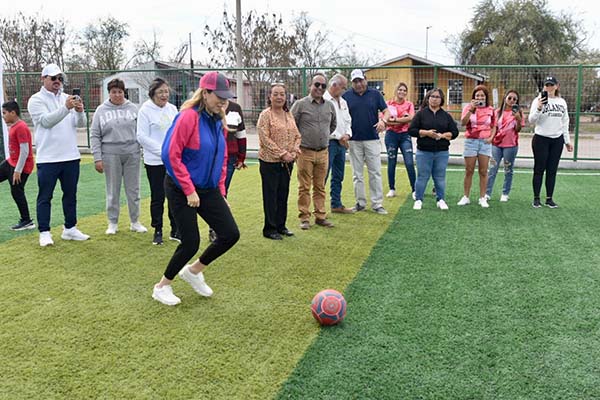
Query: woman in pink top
[[480, 119], [506, 143], [402, 112]]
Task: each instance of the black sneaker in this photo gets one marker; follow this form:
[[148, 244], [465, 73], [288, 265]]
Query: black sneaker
[[551, 204], [22, 225], [536, 203], [358, 208], [212, 235], [157, 239], [176, 236]]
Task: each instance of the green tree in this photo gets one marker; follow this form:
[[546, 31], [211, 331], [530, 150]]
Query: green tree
[[102, 44]]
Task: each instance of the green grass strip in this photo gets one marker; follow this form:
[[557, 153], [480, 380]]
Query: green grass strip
[[500, 303], [78, 321]]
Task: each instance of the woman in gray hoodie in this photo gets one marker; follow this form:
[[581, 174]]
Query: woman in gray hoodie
[[117, 154]]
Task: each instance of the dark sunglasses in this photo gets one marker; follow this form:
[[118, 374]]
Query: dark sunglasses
[[59, 77], [320, 85], [512, 98]]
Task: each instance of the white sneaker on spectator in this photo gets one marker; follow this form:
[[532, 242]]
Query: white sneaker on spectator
[[46, 239], [418, 205], [74, 234], [414, 196], [441, 204], [196, 281], [391, 193], [112, 229], [137, 227], [504, 198], [464, 201], [165, 295], [487, 197], [483, 202]]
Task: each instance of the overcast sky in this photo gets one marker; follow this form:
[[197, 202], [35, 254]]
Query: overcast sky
[[391, 28]]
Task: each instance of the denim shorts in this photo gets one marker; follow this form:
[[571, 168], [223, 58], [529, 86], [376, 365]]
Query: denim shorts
[[475, 147]]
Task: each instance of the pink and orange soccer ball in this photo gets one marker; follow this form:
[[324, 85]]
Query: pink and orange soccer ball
[[328, 307]]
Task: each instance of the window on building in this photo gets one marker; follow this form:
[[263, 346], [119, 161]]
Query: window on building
[[423, 89], [133, 95], [377, 85], [455, 91]]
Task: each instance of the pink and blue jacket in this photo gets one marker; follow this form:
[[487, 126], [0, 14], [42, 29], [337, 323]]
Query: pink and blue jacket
[[194, 151]]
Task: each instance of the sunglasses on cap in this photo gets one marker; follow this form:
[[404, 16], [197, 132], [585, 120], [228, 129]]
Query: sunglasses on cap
[[320, 85], [57, 77]]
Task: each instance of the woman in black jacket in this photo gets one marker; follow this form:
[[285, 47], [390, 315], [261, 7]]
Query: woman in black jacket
[[434, 128]]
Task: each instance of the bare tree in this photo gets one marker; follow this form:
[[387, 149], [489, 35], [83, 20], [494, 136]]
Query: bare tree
[[146, 51], [102, 43], [178, 56]]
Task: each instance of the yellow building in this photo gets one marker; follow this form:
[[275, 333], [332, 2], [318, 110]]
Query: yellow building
[[420, 75]]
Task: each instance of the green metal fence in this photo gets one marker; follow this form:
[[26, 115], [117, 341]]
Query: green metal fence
[[579, 85]]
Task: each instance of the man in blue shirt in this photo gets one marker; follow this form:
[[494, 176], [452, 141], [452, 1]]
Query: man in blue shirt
[[365, 104]]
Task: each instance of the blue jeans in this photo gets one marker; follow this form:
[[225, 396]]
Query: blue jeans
[[498, 153], [337, 162], [402, 141], [431, 163], [231, 161], [67, 172]]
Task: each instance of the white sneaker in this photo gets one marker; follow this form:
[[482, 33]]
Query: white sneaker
[[414, 196], [483, 202], [196, 281], [418, 205], [391, 193], [137, 227], [112, 229], [165, 295], [504, 198], [441, 204], [464, 201], [487, 197], [74, 234], [46, 239]]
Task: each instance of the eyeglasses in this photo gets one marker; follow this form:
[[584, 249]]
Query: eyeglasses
[[59, 77], [320, 85], [435, 97], [512, 98]]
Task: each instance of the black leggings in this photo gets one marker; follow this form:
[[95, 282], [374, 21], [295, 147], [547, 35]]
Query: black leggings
[[156, 178], [214, 211], [17, 191], [546, 155]]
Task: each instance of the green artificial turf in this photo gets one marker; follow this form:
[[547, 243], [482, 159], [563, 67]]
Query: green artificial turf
[[500, 303], [78, 320]]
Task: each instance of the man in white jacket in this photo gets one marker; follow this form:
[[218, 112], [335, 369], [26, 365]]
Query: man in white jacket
[[56, 117]]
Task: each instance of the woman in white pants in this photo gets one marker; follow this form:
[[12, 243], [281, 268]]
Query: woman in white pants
[[117, 154]]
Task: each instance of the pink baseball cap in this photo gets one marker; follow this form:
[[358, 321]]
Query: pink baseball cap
[[216, 82]]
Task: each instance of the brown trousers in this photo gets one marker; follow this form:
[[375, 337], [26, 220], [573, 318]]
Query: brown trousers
[[312, 169]]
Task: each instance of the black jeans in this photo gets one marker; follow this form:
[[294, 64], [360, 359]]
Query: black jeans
[[17, 191], [156, 178], [546, 155], [214, 211], [275, 191]]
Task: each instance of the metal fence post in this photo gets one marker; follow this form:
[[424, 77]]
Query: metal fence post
[[304, 82], [577, 109], [19, 92], [87, 109]]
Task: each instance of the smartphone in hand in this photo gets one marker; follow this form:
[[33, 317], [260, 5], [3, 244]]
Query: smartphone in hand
[[77, 93], [544, 96]]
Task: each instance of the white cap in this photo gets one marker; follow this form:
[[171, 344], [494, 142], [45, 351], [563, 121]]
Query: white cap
[[51, 70], [356, 74]]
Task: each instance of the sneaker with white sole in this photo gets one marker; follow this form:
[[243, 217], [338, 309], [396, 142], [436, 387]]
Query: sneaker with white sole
[[23, 224], [380, 210], [137, 227], [74, 234], [196, 281], [165, 295], [418, 205], [391, 193], [504, 198], [46, 239], [483, 202], [112, 229], [464, 201], [441, 204], [487, 197]]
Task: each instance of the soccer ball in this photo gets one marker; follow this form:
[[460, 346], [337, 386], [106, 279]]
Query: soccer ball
[[328, 307]]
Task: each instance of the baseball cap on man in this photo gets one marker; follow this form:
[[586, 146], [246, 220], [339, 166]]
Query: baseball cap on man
[[356, 74], [216, 82], [51, 70], [550, 79]]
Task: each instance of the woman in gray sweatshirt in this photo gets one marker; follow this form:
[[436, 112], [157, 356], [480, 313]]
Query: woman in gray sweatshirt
[[117, 154]]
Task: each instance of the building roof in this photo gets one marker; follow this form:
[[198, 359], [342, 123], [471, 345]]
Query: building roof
[[425, 61]]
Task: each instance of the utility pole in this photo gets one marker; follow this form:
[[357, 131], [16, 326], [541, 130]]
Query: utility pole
[[427, 40], [190, 46], [238, 53]]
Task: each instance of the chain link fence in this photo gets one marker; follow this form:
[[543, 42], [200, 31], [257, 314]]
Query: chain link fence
[[579, 85]]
